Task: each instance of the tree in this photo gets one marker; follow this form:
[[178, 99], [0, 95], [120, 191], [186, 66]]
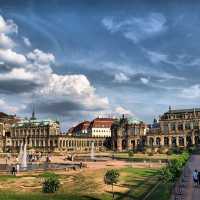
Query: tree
[[111, 177], [51, 182]]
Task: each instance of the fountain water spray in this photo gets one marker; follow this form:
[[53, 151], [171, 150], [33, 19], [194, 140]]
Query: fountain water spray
[[24, 158], [20, 153], [92, 151]]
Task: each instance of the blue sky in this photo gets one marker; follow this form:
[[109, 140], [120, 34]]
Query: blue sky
[[75, 60]]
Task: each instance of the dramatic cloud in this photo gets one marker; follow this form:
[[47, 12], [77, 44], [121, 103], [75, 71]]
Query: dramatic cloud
[[17, 86], [7, 26], [5, 41], [135, 59], [121, 77], [137, 29], [31, 75], [11, 57], [76, 87], [40, 57]]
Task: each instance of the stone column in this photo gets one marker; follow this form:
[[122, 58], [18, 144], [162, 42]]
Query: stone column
[[184, 126], [147, 141], [177, 141], [170, 141], [185, 141], [30, 142], [162, 141], [119, 144], [193, 139], [129, 145], [191, 125]]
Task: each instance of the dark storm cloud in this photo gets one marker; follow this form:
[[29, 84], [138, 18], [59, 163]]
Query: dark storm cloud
[[62, 108], [16, 86], [4, 68]]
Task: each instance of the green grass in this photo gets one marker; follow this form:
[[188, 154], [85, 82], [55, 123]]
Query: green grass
[[163, 191], [141, 157], [139, 181], [134, 184]]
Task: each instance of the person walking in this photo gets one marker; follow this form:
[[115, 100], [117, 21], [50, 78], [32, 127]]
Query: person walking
[[195, 177], [198, 177], [13, 171]]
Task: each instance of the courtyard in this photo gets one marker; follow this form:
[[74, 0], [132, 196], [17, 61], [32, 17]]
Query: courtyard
[[137, 179]]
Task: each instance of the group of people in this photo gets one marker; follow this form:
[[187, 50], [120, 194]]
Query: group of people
[[196, 177]]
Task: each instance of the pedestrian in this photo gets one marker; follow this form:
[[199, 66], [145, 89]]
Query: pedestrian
[[13, 171], [195, 177], [198, 177]]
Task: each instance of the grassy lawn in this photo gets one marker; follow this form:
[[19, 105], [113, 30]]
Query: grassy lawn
[[163, 192], [85, 185], [145, 156]]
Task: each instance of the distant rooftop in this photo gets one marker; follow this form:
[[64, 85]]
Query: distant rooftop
[[190, 110], [33, 122]]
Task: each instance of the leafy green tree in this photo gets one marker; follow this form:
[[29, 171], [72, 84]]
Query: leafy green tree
[[111, 177], [51, 182]]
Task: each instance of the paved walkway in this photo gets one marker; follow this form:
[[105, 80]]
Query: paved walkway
[[189, 192]]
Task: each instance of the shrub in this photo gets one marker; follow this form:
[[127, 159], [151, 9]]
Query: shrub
[[110, 178], [173, 170], [51, 182]]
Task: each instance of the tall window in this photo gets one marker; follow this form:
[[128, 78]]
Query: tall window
[[173, 126], [196, 125], [187, 125], [180, 126], [165, 128]]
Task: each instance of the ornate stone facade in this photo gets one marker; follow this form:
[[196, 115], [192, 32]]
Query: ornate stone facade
[[39, 135], [128, 134], [176, 128]]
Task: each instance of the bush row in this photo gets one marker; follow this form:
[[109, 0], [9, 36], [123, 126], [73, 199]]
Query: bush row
[[173, 170]]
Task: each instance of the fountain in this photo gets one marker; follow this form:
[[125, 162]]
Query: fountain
[[92, 152], [20, 153], [24, 158]]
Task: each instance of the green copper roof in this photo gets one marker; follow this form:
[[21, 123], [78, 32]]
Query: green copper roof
[[132, 120]]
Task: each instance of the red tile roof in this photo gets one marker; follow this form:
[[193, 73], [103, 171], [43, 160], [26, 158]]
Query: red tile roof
[[101, 123]]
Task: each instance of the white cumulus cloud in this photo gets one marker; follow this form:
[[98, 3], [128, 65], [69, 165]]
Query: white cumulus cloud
[[41, 57], [11, 57]]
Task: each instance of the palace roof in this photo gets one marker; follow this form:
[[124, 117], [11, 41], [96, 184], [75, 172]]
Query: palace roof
[[190, 110], [35, 122], [101, 123]]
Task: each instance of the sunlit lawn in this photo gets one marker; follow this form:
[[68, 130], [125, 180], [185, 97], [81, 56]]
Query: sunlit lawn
[[145, 156], [89, 184]]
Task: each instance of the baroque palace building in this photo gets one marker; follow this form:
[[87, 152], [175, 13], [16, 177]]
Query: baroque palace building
[[128, 134], [174, 128], [43, 136]]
